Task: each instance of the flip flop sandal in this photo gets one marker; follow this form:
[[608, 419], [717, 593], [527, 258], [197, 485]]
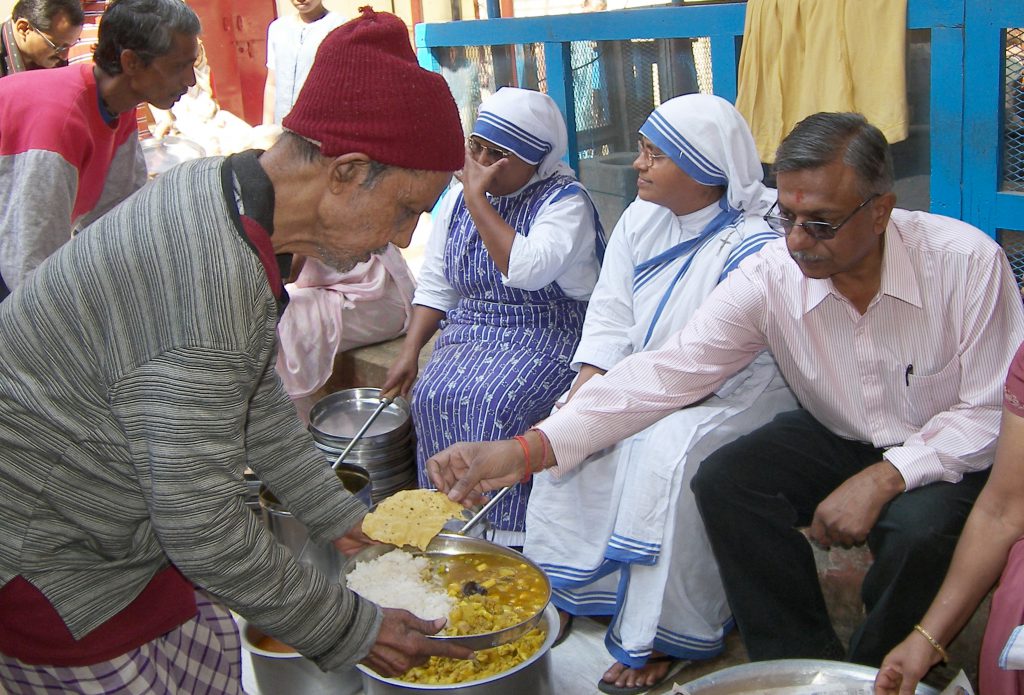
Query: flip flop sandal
[[675, 666], [565, 631]]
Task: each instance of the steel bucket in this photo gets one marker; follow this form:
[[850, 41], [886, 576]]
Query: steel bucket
[[277, 673], [290, 532]]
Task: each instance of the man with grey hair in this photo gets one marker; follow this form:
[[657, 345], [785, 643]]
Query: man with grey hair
[[137, 384], [39, 34], [893, 328], [75, 129]]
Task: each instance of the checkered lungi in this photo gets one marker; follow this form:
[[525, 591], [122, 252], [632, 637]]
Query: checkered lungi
[[202, 656]]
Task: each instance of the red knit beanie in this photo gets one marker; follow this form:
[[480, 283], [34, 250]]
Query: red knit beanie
[[366, 93]]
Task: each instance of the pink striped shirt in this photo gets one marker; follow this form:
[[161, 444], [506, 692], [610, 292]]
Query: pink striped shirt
[[920, 373]]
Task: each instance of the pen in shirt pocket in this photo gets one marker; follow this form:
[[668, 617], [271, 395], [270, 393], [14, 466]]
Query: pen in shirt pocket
[[906, 374]]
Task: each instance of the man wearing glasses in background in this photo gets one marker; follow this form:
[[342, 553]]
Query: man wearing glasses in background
[[893, 328], [39, 34], [69, 147]]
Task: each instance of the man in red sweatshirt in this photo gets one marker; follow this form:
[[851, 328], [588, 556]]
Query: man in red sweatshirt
[[69, 149]]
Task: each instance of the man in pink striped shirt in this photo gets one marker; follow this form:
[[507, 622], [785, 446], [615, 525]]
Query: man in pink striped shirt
[[893, 328]]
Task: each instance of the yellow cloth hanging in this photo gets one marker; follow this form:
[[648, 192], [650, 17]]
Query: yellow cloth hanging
[[804, 56]]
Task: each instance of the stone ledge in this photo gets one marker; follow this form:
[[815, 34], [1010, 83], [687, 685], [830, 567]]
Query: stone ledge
[[368, 366]]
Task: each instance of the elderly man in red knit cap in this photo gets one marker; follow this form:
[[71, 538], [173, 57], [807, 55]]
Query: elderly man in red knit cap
[[126, 536]]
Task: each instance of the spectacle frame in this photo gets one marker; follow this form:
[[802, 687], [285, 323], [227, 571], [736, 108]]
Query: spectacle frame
[[493, 151], [644, 150], [59, 50], [822, 231]]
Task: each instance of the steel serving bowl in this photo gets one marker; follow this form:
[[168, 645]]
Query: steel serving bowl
[[531, 677], [447, 544], [825, 676]]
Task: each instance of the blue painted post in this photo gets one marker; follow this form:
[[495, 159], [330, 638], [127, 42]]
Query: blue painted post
[[724, 65], [493, 9], [558, 65], [947, 121]]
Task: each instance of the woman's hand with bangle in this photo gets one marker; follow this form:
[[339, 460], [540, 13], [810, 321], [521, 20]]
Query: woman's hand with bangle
[[905, 666]]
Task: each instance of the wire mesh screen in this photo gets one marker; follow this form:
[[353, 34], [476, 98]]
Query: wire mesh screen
[[1013, 244], [1013, 116], [473, 72], [617, 84]]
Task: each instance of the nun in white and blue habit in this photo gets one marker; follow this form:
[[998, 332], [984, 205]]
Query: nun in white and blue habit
[[503, 354], [620, 535]]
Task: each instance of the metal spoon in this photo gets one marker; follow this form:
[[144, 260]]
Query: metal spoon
[[486, 508], [385, 401]]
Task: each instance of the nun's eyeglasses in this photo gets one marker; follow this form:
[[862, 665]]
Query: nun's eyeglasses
[[493, 151], [822, 231], [644, 150]]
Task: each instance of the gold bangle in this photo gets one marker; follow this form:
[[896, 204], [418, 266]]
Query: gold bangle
[[936, 645]]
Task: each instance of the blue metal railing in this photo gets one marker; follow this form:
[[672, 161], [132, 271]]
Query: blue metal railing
[[965, 74]]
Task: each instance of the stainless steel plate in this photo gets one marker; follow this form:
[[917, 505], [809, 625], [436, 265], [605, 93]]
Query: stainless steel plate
[[161, 155], [335, 419], [445, 544]]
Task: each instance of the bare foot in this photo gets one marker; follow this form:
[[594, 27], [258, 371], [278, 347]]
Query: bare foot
[[648, 675]]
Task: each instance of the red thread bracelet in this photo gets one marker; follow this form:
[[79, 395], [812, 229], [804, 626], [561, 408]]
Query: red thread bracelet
[[526, 452], [544, 447]]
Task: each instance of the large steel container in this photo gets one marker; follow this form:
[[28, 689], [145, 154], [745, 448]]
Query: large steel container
[[797, 675], [532, 677], [277, 673]]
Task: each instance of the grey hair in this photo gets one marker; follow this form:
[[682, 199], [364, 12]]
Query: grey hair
[[309, 151], [147, 27], [40, 13], [823, 138]]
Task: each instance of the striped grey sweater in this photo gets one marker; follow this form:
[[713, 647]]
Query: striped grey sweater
[[136, 384]]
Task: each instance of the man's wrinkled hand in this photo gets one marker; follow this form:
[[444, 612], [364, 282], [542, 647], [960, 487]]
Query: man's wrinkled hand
[[403, 643], [467, 470], [846, 516], [353, 541]]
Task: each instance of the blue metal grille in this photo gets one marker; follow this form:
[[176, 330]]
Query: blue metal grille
[[618, 83], [473, 72], [1013, 112]]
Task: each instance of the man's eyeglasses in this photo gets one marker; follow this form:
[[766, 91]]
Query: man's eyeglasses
[[493, 151], [819, 230], [61, 50], [644, 150]]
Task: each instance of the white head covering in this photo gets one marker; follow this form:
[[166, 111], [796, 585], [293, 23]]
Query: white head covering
[[708, 139], [529, 124]]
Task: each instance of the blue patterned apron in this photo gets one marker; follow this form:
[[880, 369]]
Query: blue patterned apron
[[503, 355]]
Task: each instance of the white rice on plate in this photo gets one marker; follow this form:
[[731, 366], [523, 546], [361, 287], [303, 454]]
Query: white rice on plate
[[397, 579]]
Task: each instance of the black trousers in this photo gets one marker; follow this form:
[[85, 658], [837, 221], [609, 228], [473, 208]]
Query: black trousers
[[753, 494]]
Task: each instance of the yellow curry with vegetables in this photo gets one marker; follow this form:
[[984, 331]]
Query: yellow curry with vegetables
[[493, 592]]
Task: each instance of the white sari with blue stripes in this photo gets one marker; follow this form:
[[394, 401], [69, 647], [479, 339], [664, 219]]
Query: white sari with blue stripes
[[620, 535]]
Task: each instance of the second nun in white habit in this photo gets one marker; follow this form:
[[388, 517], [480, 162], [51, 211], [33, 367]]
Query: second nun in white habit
[[620, 535]]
